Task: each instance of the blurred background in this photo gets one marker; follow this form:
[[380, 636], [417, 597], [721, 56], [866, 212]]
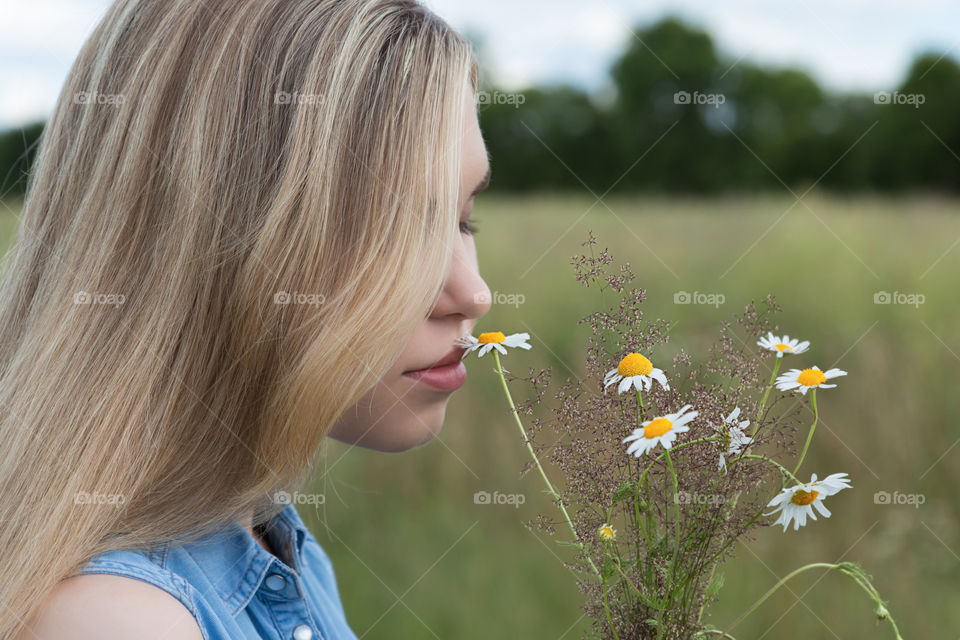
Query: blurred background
[[810, 150]]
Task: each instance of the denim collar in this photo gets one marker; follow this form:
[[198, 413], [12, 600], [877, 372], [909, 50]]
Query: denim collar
[[237, 565]]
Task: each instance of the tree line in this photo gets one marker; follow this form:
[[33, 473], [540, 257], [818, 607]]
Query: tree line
[[682, 117]]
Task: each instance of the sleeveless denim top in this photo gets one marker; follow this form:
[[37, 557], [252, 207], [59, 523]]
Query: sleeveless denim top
[[236, 589]]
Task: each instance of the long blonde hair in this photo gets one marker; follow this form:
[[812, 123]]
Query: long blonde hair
[[239, 211]]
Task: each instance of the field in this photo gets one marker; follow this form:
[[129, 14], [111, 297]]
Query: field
[[415, 557], [408, 540]]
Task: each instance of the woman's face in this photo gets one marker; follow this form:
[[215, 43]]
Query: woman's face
[[406, 407]]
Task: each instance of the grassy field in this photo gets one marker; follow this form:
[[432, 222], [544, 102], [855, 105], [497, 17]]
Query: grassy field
[[408, 539], [416, 557]]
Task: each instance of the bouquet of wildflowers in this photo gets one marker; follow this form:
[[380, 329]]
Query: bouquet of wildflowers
[[665, 468]]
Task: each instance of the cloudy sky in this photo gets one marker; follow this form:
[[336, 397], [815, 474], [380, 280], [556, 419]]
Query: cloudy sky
[[847, 44]]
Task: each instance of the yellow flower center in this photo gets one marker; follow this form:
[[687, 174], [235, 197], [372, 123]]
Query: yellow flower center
[[492, 336], [606, 532], [657, 427], [781, 347], [634, 364], [802, 498], [811, 378]]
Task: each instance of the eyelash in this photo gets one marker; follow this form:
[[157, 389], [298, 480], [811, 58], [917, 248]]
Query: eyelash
[[468, 227]]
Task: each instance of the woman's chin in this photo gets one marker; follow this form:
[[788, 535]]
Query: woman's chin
[[395, 436]]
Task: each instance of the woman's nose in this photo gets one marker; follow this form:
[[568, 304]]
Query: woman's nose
[[464, 292]]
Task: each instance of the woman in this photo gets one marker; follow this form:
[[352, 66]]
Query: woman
[[247, 228]]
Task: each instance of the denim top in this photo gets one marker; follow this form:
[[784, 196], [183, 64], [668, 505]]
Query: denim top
[[237, 589]]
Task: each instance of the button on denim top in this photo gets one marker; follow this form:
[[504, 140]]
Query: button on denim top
[[236, 589]]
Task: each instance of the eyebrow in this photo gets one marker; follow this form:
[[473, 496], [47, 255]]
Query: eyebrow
[[484, 182]]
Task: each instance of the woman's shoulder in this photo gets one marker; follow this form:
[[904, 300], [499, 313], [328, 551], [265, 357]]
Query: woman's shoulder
[[113, 605]]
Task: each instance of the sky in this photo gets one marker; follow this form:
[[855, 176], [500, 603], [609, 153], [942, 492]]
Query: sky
[[847, 45]]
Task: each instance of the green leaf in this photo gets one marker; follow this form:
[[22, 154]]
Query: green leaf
[[716, 583], [609, 567], [626, 490]]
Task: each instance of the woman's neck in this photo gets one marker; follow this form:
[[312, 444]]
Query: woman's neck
[[247, 523]]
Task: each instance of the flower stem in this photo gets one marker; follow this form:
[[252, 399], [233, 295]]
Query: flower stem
[[674, 448], [523, 432], [676, 517], [766, 393], [783, 469], [848, 569], [816, 418], [718, 632], [676, 502], [606, 608]]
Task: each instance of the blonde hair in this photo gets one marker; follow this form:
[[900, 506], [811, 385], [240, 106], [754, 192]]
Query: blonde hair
[[208, 166]]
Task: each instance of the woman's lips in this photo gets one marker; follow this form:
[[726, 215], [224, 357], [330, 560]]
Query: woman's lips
[[449, 377], [446, 374]]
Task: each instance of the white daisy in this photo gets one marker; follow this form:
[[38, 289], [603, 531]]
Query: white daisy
[[797, 502], [735, 438], [786, 344], [607, 532], [493, 340], [634, 370], [661, 430], [811, 378]]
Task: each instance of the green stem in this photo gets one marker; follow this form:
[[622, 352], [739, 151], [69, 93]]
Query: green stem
[[816, 418], [606, 608], [676, 522], [783, 469], [718, 632], [766, 393], [846, 568], [713, 564], [676, 507], [556, 496], [674, 448]]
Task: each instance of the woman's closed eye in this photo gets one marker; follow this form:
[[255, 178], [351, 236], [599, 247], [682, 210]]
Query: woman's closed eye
[[468, 227]]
